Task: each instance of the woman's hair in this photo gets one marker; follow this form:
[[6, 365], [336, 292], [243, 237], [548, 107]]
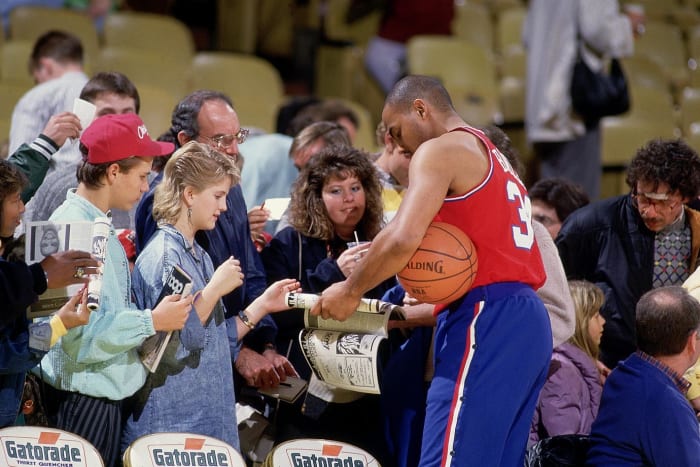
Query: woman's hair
[[588, 299], [307, 211], [12, 180], [195, 165], [91, 174]]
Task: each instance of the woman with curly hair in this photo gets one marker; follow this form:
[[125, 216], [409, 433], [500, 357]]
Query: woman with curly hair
[[335, 200]]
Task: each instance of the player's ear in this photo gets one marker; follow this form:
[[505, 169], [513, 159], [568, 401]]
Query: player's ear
[[420, 107]]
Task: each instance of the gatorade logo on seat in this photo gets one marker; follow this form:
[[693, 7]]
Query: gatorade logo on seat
[[38, 446], [316, 452], [181, 449]]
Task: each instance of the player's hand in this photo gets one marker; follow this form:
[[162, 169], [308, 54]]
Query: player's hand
[[68, 267], [336, 302], [283, 366], [61, 127]]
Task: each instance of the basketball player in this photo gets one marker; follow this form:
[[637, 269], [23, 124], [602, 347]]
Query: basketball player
[[492, 346]]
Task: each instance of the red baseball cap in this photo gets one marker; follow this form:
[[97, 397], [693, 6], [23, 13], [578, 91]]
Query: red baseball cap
[[115, 137]]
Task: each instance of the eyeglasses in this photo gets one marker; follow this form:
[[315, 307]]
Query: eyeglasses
[[656, 200], [225, 141]]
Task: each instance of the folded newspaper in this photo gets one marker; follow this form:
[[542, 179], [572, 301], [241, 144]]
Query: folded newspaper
[[346, 354], [46, 238], [152, 349]]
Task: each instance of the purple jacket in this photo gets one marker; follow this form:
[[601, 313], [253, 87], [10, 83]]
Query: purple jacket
[[569, 400]]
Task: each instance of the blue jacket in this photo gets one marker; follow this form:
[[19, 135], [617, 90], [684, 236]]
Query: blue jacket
[[21, 345], [231, 236], [644, 419], [192, 388]]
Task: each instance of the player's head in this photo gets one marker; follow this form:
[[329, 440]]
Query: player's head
[[411, 109]]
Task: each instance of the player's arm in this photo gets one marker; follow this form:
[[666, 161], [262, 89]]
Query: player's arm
[[433, 166]]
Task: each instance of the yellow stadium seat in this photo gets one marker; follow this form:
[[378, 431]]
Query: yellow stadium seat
[[27, 23], [237, 25], [622, 136], [156, 108], [466, 70], [645, 72], [663, 43], [146, 67], [509, 28], [149, 31], [253, 84], [690, 112], [472, 22], [14, 62], [651, 103], [332, 12]]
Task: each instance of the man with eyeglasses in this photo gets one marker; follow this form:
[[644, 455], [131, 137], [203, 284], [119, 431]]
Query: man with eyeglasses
[[633, 243], [209, 117]]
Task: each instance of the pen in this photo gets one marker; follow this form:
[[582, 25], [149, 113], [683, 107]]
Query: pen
[[262, 206]]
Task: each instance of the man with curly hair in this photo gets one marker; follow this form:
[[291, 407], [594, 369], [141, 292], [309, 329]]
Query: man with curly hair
[[633, 243]]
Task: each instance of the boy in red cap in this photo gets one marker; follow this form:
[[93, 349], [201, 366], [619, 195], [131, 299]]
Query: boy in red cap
[[95, 368]]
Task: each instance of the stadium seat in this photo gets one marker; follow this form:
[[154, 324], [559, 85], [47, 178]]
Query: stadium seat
[[472, 22], [148, 31], [690, 111], [509, 28], [27, 23], [14, 63], [253, 83], [466, 70], [146, 67], [156, 108], [663, 43]]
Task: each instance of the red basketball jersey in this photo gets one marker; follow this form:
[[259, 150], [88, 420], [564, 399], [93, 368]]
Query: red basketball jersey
[[496, 215]]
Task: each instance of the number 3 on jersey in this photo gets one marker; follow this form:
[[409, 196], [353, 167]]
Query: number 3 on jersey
[[523, 236]]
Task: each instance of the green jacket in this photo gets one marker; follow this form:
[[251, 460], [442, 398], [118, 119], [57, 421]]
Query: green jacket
[[33, 160]]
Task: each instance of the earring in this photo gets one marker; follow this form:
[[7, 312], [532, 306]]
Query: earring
[[189, 216]]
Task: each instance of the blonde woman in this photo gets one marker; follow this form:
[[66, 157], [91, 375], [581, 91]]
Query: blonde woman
[[569, 400], [192, 388]]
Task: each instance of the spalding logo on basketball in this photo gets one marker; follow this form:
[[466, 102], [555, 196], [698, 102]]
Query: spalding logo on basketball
[[444, 266]]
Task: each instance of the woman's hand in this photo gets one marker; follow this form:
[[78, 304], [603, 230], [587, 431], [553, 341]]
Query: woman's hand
[[272, 299], [227, 277], [350, 258], [75, 312]]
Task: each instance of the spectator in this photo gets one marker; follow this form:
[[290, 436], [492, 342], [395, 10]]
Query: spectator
[[98, 366], [208, 117], [458, 176], [23, 344], [111, 93], [331, 110], [644, 417], [179, 396], [309, 142], [553, 199], [56, 64], [392, 165], [335, 199], [569, 400], [385, 58], [564, 144], [629, 244]]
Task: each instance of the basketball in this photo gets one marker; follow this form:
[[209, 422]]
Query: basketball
[[443, 267]]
